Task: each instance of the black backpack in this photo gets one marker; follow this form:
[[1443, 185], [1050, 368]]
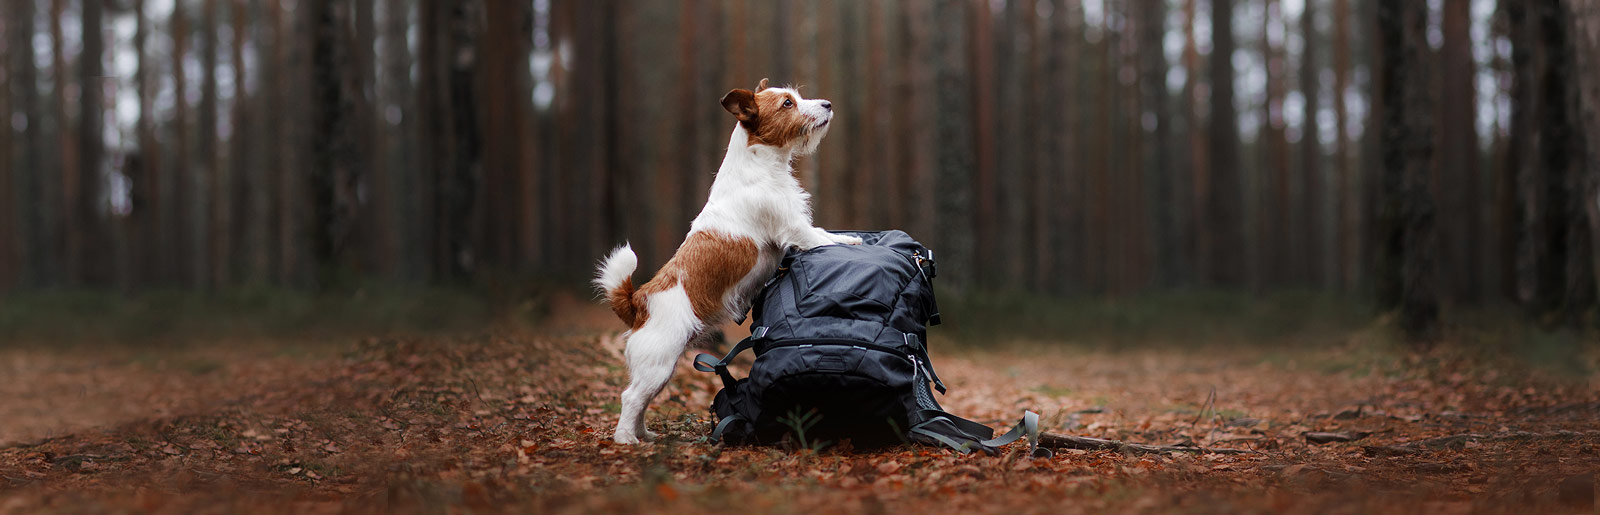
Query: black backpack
[[840, 338]]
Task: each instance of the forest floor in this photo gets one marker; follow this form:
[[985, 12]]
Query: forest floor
[[518, 419]]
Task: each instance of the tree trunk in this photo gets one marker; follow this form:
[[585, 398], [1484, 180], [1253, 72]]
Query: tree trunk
[[1565, 275], [1586, 44], [1346, 219], [95, 259], [953, 158], [1224, 258], [1408, 213], [181, 248], [149, 226], [62, 196], [31, 208], [1314, 265], [399, 115], [244, 187], [8, 211], [1277, 247], [1457, 184], [985, 183], [1159, 169], [1197, 234], [1521, 249], [211, 201]]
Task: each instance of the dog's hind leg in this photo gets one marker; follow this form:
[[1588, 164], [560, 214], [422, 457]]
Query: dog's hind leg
[[652, 353]]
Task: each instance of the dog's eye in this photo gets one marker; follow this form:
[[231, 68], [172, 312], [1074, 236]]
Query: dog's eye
[[788, 103]]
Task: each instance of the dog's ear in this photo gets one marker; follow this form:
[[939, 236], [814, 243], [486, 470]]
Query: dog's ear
[[742, 103], [761, 87]]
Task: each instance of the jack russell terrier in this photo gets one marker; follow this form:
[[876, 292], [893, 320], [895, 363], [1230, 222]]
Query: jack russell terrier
[[756, 210]]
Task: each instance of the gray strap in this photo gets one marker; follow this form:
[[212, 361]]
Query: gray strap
[[708, 363], [963, 448], [1028, 426], [716, 434]]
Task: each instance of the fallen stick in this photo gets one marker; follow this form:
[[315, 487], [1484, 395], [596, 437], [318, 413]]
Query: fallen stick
[[1060, 441]]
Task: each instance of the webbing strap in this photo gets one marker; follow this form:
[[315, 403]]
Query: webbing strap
[[976, 430], [709, 363], [1028, 426], [922, 355], [963, 448], [716, 434]]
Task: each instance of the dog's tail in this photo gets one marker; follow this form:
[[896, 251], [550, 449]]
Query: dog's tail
[[614, 280]]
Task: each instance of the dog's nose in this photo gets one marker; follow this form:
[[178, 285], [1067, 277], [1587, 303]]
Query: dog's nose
[[827, 105]]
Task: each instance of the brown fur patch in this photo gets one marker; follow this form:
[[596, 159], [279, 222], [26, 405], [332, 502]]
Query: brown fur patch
[[708, 265], [621, 300], [778, 125], [764, 116]]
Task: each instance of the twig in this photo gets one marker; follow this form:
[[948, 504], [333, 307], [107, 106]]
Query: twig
[[1060, 441], [1210, 403]]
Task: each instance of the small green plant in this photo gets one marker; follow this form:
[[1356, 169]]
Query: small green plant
[[799, 423]]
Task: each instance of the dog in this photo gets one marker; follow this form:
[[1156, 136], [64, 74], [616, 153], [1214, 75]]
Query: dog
[[756, 211]]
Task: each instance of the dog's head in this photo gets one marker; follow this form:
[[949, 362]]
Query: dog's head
[[780, 117]]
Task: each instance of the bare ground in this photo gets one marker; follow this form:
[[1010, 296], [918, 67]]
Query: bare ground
[[517, 419]]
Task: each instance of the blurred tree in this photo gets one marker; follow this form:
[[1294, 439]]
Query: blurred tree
[[1586, 38], [1156, 120], [1314, 268], [1566, 277], [148, 228], [93, 234], [182, 246], [28, 153], [9, 239], [1225, 262], [1346, 217], [1409, 280], [1277, 246], [954, 236], [1457, 182], [1197, 234], [61, 195], [210, 203]]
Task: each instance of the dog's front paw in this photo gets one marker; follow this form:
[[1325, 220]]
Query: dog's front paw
[[649, 436], [847, 240]]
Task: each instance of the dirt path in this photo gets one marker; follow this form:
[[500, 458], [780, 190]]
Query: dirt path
[[516, 420]]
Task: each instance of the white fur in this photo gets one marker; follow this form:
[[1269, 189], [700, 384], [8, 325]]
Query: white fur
[[755, 195], [616, 268]]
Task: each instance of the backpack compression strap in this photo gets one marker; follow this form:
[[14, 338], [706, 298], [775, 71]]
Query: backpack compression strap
[[708, 363], [969, 430]]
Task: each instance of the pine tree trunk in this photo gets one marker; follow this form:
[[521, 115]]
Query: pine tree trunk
[[1408, 213], [61, 197], [1458, 179], [181, 247], [30, 206], [95, 262], [953, 155], [210, 202], [1586, 44], [8, 198], [1565, 279], [1224, 257], [1314, 265], [1197, 234]]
